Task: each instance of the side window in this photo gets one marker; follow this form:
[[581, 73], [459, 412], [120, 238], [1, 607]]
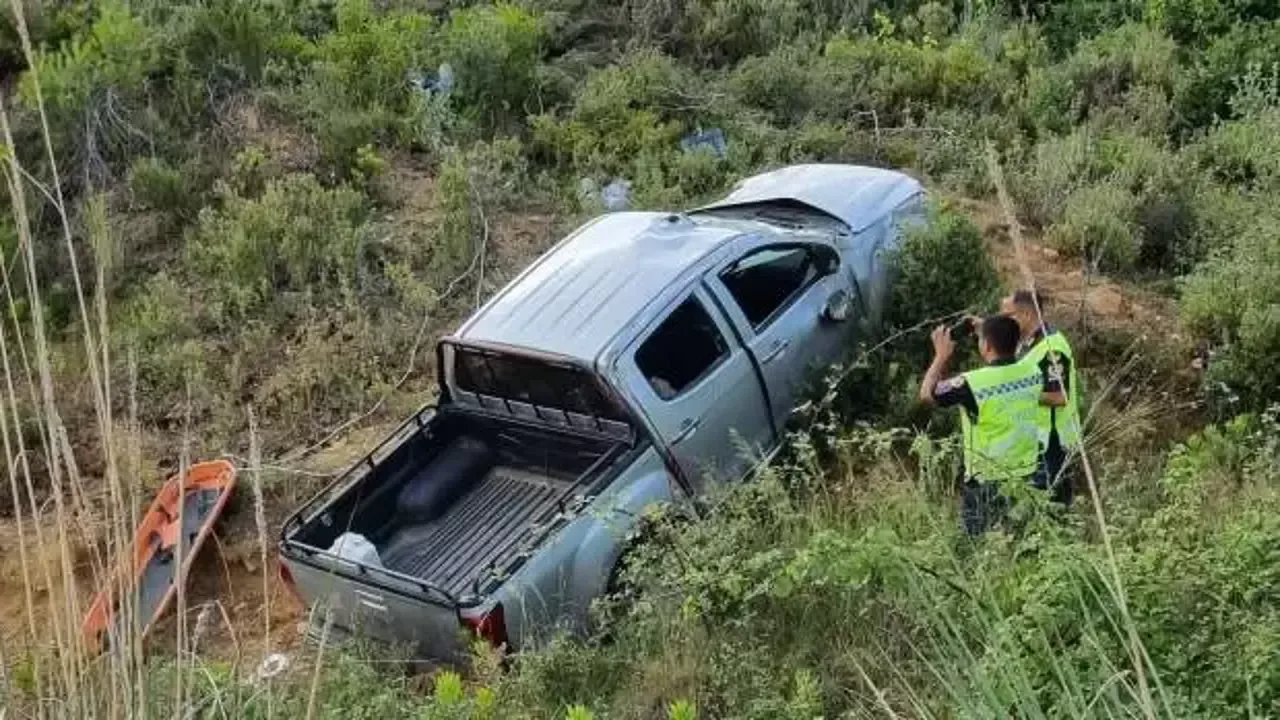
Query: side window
[[763, 281], [682, 350]]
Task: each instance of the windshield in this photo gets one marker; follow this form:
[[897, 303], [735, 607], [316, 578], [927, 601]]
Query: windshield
[[531, 380]]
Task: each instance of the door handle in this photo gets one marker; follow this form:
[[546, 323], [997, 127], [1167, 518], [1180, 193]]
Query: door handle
[[778, 347], [687, 429]]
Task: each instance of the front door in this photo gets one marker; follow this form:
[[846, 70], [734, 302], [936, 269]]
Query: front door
[[700, 391], [777, 295]]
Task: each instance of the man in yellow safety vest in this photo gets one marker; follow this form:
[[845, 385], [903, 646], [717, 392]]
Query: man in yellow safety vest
[[999, 403], [1058, 416]]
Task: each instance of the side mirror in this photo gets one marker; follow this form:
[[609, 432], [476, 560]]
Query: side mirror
[[838, 307]]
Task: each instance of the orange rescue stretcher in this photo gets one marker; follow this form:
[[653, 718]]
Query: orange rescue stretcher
[[153, 577]]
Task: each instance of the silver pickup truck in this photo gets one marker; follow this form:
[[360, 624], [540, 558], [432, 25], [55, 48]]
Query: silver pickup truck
[[644, 356]]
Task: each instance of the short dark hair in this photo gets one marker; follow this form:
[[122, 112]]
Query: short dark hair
[[1029, 299], [1002, 334]]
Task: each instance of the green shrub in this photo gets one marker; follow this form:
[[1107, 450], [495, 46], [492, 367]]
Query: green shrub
[[1117, 198], [952, 147], [1058, 165], [297, 237], [723, 33], [1066, 24], [898, 79], [1122, 76], [162, 326], [249, 169], [94, 89], [473, 185], [940, 269], [230, 43], [157, 186], [782, 84], [1231, 301], [370, 54], [357, 91], [1205, 89], [627, 122], [1242, 152], [1100, 224], [495, 52], [1106, 66]]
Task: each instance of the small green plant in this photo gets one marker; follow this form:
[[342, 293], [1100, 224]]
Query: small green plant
[[682, 710], [248, 171], [368, 166], [296, 234], [448, 690], [154, 185]]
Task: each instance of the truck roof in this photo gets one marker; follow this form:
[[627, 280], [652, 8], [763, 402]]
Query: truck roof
[[576, 298], [853, 194]]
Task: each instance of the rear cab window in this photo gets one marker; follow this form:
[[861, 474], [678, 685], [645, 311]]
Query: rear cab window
[[682, 350], [531, 381]]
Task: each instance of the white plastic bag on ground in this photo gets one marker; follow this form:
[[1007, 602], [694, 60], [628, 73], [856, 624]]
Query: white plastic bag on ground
[[616, 195]]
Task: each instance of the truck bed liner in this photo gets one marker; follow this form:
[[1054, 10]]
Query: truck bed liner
[[483, 528]]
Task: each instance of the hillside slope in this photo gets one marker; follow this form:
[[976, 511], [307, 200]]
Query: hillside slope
[[228, 209]]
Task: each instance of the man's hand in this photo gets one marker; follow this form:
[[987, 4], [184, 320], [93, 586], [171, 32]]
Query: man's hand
[[943, 346]]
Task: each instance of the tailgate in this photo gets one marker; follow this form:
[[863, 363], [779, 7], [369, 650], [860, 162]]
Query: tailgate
[[377, 603]]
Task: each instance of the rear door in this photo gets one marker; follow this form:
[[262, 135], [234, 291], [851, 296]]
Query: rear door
[[776, 294], [700, 390]]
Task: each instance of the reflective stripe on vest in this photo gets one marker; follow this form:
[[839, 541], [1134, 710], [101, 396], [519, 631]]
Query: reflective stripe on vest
[[1067, 418], [1002, 444]]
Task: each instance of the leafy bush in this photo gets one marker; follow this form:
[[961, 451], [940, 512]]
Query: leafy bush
[[1242, 152], [495, 51], [721, 34], [898, 78], [940, 269], [95, 89], [782, 83], [628, 122], [230, 43], [1231, 301], [157, 186], [1122, 76], [1121, 200], [1205, 90], [297, 236], [1100, 224], [357, 90]]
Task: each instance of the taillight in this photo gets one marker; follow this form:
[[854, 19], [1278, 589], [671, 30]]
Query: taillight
[[287, 578], [492, 626]]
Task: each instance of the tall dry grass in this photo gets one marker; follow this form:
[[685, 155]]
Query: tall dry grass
[[73, 549]]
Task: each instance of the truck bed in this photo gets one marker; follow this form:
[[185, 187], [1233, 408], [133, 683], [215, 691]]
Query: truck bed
[[478, 535], [485, 526]]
